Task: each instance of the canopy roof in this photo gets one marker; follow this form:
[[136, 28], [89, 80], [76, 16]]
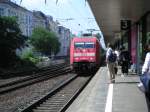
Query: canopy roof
[[108, 14]]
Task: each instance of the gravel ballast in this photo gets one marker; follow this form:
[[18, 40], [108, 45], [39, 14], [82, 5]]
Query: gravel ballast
[[12, 100]]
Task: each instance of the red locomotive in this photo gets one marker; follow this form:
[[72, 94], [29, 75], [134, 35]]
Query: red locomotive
[[85, 53]]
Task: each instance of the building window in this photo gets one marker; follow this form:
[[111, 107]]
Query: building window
[[29, 20], [59, 30], [26, 19], [1, 11], [13, 13], [26, 32], [9, 12]]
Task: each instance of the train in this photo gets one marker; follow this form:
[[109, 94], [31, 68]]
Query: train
[[85, 53]]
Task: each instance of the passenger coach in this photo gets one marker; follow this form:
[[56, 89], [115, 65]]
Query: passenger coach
[[85, 53]]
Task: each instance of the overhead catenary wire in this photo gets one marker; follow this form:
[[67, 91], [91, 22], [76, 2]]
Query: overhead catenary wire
[[84, 22], [78, 24], [77, 12], [45, 1], [64, 19], [82, 17]]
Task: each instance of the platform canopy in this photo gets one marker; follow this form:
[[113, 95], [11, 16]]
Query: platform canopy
[[109, 13]]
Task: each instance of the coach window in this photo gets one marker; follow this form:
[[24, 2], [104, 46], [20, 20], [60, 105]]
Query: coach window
[[79, 45], [89, 45]]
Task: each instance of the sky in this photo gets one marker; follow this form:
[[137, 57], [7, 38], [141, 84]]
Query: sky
[[73, 14]]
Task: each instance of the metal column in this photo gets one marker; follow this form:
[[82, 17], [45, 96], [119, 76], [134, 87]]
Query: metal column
[[137, 50]]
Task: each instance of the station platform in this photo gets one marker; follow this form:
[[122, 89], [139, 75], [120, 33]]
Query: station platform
[[100, 96]]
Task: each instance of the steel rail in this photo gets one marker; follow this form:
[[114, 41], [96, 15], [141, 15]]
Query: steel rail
[[34, 80], [35, 75], [30, 71], [58, 99]]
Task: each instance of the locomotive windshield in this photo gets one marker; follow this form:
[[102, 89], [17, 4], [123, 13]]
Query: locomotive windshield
[[89, 45], [84, 45], [79, 45]]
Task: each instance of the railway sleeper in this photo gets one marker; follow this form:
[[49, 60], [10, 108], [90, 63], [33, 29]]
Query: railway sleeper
[[54, 105], [56, 100], [49, 108], [51, 103], [35, 110]]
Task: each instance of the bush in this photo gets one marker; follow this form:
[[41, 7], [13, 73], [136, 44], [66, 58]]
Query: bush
[[10, 40], [28, 55], [44, 41]]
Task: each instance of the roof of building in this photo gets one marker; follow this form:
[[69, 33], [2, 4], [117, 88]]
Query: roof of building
[[14, 5]]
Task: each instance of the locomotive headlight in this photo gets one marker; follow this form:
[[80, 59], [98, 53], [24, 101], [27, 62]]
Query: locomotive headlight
[[76, 58], [91, 59]]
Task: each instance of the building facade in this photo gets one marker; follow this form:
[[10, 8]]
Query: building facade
[[39, 19], [52, 25], [64, 39], [29, 20], [23, 15]]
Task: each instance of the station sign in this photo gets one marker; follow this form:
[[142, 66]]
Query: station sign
[[125, 24]]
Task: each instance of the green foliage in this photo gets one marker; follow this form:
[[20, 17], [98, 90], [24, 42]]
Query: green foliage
[[56, 46], [10, 39], [28, 55], [10, 32], [44, 41]]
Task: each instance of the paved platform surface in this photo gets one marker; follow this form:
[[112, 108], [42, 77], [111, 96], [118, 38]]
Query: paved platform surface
[[100, 96]]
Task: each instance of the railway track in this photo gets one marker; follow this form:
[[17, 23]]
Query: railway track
[[31, 71], [59, 98], [36, 73], [43, 75]]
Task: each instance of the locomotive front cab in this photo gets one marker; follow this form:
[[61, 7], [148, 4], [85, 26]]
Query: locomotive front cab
[[84, 55]]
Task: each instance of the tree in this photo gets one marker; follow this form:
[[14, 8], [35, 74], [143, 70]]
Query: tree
[[44, 41], [56, 46], [10, 40]]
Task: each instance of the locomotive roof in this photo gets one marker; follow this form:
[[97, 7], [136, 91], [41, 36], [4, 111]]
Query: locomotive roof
[[85, 39]]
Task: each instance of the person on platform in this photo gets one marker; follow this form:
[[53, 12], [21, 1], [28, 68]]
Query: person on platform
[[117, 60], [144, 85], [110, 64], [146, 65], [124, 61]]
